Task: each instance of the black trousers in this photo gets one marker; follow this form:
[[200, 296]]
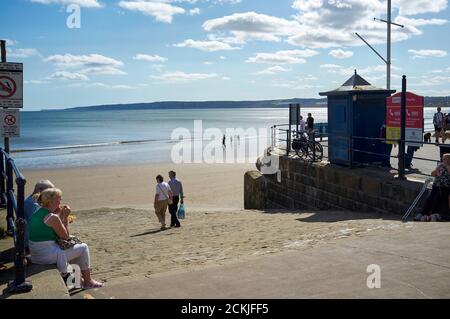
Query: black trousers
[[173, 209]]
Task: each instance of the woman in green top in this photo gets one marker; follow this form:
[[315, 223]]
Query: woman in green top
[[49, 223]]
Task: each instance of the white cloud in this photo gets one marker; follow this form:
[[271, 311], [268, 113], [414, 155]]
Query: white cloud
[[72, 76], [210, 46], [149, 58], [428, 53], [325, 23], [371, 73], [22, 53], [330, 66], [222, 57], [298, 83], [413, 7], [419, 22], [227, 1], [87, 64], [341, 54], [10, 42], [182, 77], [208, 63], [81, 3], [101, 85], [283, 57], [273, 70], [36, 82], [195, 11], [161, 11], [226, 78], [306, 5], [251, 26]]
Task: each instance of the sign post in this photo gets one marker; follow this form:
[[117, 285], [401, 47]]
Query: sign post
[[404, 122]]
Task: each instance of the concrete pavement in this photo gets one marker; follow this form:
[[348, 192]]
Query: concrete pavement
[[414, 263]]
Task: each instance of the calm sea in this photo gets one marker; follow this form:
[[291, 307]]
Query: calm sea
[[54, 139]]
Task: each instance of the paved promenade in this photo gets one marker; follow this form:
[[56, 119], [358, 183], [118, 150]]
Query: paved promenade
[[414, 262]]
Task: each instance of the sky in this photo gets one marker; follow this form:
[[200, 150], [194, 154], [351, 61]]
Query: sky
[[93, 52]]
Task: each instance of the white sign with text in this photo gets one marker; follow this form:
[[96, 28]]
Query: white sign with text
[[10, 122]]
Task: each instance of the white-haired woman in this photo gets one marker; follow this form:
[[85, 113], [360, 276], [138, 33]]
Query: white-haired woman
[[48, 224]]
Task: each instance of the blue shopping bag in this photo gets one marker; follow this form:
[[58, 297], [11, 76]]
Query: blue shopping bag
[[181, 212]]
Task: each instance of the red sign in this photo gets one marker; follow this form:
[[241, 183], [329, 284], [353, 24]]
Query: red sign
[[7, 87], [414, 110]]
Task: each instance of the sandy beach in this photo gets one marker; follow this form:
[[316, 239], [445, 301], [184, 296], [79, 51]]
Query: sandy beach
[[115, 217], [212, 187]]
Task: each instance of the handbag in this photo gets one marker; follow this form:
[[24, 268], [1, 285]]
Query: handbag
[[169, 200], [68, 243], [181, 212]]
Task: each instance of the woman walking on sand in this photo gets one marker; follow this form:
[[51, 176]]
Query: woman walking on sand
[[163, 198]]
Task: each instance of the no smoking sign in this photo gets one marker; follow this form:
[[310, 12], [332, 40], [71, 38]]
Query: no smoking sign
[[11, 85], [10, 123]]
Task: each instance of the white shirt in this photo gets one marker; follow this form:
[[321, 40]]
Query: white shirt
[[162, 190], [301, 125]]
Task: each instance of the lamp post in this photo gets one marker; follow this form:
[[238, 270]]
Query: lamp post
[[388, 54]]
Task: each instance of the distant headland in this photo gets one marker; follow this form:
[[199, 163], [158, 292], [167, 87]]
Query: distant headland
[[443, 101]]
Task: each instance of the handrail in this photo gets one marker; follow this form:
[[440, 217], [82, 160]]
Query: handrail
[[15, 218], [279, 132]]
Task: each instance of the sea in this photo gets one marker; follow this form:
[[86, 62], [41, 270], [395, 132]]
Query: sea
[[60, 139]]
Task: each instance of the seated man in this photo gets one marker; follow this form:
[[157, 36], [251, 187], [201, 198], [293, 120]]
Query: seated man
[[31, 206]]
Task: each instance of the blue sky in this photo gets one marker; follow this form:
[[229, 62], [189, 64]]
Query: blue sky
[[128, 51]]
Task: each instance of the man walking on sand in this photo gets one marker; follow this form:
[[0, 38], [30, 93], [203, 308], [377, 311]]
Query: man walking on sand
[[177, 196]]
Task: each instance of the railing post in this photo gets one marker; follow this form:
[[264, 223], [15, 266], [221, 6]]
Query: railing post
[[9, 187], [288, 141], [401, 146], [20, 233], [2, 179], [314, 145], [274, 136]]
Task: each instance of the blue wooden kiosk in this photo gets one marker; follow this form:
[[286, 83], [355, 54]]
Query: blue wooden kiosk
[[356, 112]]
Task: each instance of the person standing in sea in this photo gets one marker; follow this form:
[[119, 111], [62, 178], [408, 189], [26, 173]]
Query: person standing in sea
[[177, 197]]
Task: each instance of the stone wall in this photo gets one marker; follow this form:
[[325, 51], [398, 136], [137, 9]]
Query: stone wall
[[325, 186]]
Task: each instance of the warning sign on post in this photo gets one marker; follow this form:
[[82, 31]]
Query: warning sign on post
[[10, 123], [414, 118], [11, 85]]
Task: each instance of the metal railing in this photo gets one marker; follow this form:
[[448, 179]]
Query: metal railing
[[15, 217], [282, 140]]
